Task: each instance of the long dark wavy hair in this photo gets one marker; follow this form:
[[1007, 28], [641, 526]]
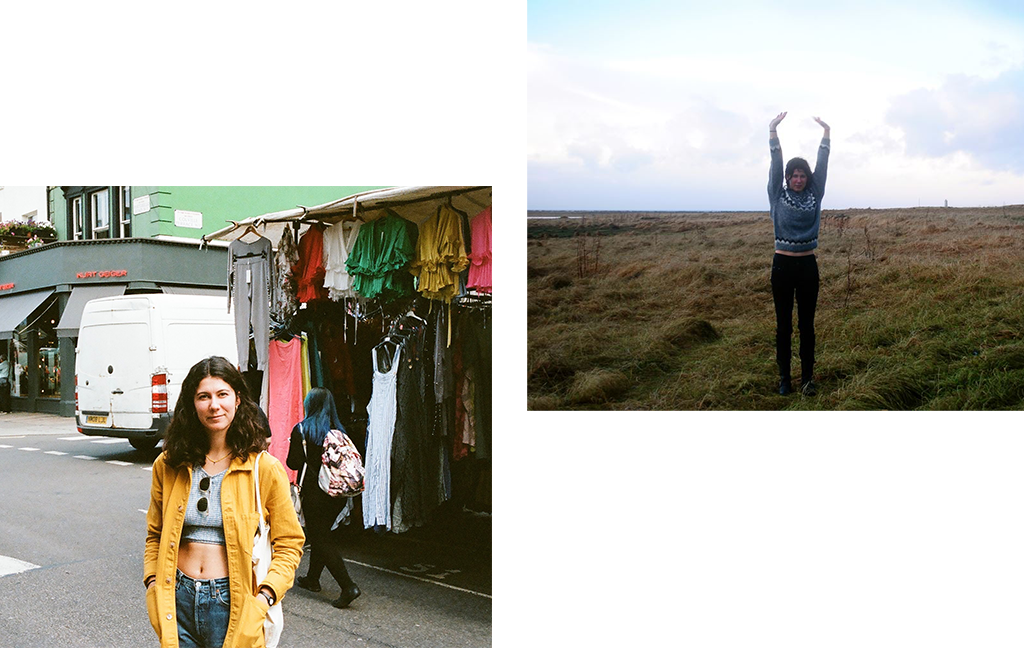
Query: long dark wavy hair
[[321, 415], [799, 163], [187, 441]]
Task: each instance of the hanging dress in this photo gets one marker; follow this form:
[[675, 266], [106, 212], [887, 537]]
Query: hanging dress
[[283, 384], [382, 411], [310, 270], [480, 269], [284, 301], [379, 260], [441, 255], [339, 239]]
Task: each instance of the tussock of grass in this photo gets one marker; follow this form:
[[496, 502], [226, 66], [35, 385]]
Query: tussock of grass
[[597, 386], [544, 403], [918, 309], [688, 331]]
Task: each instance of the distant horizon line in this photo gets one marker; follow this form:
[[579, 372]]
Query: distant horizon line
[[745, 211]]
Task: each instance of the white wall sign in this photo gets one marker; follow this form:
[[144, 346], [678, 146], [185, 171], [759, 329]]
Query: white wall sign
[[188, 219], [140, 205]]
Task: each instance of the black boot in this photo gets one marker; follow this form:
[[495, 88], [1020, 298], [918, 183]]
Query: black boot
[[348, 595], [785, 386]]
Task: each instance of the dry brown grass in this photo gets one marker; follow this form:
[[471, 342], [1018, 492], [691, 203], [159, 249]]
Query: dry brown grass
[[917, 308]]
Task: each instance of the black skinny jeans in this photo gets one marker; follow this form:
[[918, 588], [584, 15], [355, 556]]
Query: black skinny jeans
[[320, 512], [794, 276]]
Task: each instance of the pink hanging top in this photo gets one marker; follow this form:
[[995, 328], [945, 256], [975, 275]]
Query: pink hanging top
[[480, 257]]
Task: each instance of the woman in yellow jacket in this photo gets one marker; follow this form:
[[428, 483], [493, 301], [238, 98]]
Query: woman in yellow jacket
[[201, 589]]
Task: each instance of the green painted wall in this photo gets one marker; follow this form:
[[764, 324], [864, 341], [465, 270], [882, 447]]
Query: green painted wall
[[57, 210], [218, 205]]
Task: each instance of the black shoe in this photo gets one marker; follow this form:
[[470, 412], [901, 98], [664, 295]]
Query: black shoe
[[808, 388], [348, 595], [307, 584], [785, 386]]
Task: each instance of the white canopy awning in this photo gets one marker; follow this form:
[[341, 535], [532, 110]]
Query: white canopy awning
[[416, 204]]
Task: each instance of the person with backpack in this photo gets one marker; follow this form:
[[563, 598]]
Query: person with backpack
[[320, 509]]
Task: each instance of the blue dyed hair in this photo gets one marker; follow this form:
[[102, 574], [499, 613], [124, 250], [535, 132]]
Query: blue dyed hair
[[321, 415]]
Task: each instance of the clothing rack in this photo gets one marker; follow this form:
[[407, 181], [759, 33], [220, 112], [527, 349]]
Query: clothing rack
[[475, 300]]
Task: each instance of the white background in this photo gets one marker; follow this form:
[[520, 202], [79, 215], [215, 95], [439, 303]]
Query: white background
[[639, 529]]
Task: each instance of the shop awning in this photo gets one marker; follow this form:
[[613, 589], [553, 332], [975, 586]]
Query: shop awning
[[188, 290], [80, 296], [15, 308], [416, 204]]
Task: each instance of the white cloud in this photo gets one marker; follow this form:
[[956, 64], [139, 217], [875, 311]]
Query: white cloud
[[984, 118]]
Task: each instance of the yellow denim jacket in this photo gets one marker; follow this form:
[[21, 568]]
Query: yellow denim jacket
[[166, 516]]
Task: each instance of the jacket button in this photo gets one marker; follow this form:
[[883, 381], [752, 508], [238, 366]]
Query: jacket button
[[180, 507], [172, 545], [168, 579], [170, 616]]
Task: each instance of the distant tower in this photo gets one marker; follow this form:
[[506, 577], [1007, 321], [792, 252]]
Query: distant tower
[[947, 202]]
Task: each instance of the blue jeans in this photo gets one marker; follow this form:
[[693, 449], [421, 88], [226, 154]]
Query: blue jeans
[[203, 607]]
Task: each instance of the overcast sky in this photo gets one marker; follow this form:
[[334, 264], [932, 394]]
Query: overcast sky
[[664, 105]]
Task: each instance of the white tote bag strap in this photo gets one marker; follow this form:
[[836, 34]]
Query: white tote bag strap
[[259, 500], [274, 622]]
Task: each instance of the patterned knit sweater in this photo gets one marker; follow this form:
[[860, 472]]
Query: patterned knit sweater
[[796, 215]]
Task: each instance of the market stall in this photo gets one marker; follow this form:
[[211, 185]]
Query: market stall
[[392, 284]]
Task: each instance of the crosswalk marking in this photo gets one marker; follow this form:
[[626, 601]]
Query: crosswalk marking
[[5, 446], [29, 449], [86, 457], [119, 463], [80, 437], [10, 565], [149, 468], [55, 452], [110, 441]]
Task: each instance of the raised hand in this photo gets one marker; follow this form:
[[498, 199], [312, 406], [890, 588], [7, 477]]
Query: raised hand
[[777, 120], [822, 124]]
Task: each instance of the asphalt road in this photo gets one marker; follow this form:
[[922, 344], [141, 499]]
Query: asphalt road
[[72, 508]]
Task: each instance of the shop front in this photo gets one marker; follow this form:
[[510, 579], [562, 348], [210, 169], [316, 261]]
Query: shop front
[[43, 292]]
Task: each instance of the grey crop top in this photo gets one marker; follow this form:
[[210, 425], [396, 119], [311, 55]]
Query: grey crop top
[[203, 519]]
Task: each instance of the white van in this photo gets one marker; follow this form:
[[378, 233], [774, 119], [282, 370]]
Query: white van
[[133, 353]]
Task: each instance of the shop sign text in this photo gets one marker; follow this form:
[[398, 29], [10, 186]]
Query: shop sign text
[[101, 273], [6, 286]]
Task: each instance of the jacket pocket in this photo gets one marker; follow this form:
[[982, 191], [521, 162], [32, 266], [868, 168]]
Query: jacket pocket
[[154, 618], [250, 622]]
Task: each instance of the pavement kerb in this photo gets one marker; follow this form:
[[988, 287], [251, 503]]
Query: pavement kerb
[[14, 424]]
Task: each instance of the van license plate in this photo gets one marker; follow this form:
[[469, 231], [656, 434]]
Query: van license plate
[[96, 420]]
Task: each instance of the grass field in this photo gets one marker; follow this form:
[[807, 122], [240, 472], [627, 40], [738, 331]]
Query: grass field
[[918, 309]]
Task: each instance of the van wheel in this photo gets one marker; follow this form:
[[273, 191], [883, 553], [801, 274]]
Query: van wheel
[[143, 444]]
